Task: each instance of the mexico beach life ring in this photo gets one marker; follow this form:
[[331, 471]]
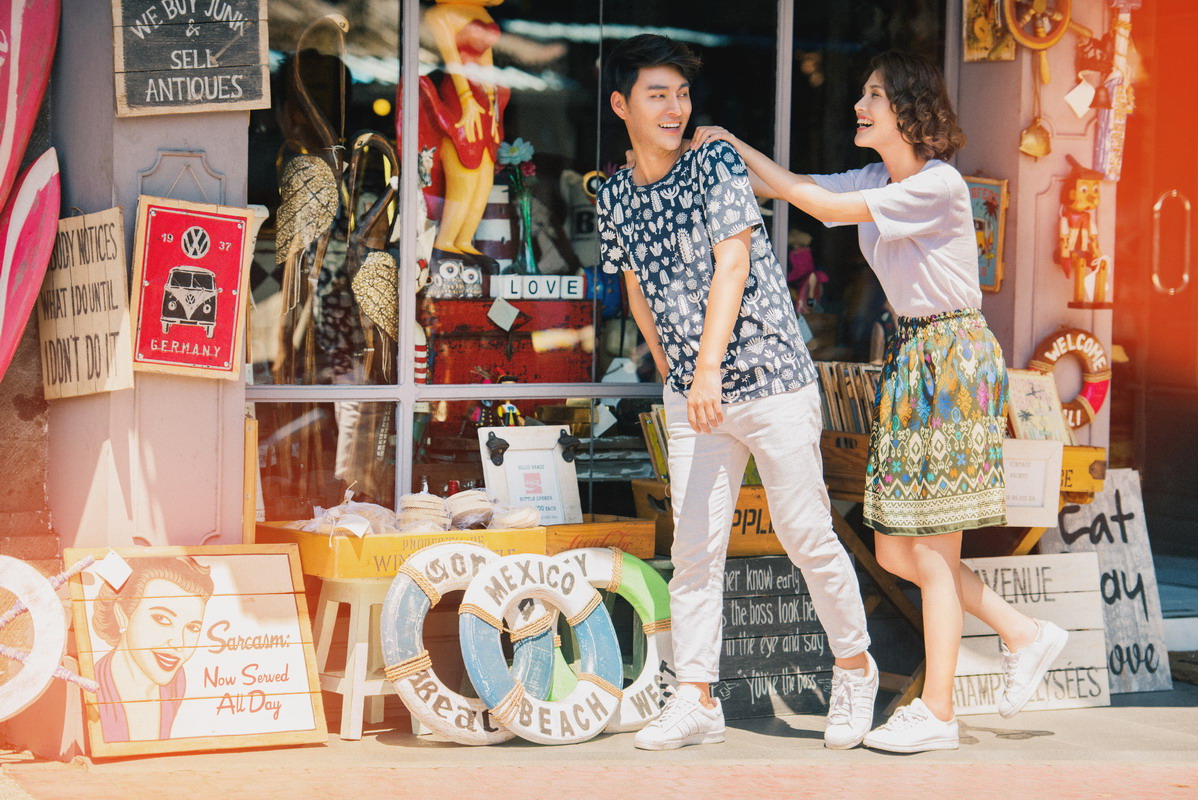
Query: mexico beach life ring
[[420, 583], [498, 587], [614, 570], [1096, 371]]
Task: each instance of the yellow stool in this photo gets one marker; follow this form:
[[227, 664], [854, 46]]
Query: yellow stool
[[362, 684]]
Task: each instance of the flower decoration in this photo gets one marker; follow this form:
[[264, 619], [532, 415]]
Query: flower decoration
[[514, 160], [514, 153]]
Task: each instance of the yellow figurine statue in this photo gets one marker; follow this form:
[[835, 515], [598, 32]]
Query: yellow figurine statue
[[1077, 250]]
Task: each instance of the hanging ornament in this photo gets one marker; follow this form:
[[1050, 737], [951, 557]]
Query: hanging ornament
[[1112, 117]]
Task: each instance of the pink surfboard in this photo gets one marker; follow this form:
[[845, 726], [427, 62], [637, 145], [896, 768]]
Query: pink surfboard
[[28, 35], [28, 226]]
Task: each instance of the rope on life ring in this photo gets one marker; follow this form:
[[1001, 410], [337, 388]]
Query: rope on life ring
[[1096, 371], [420, 583], [628, 576], [34, 596], [500, 586]]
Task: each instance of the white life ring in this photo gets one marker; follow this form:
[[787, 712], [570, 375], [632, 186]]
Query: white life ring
[[34, 593], [421, 581], [497, 588], [614, 570]]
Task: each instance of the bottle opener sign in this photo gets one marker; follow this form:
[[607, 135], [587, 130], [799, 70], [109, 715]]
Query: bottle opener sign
[[190, 275]]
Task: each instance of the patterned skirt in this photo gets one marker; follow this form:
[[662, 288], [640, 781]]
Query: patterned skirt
[[935, 452]]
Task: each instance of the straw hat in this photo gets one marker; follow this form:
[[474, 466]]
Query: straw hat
[[308, 203], [376, 288]]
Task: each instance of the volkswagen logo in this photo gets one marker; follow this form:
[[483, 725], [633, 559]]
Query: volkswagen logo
[[196, 242]]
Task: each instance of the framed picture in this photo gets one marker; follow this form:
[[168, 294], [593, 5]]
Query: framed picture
[[984, 34], [190, 270], [1034, 407], [1033, 481], [989, 198], [532, 471], [196, 648]]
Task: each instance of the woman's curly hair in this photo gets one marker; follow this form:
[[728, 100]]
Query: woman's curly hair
[[918, 95], [186, 573]]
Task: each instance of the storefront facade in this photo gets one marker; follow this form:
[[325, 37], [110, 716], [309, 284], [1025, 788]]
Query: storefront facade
[[165, 462]]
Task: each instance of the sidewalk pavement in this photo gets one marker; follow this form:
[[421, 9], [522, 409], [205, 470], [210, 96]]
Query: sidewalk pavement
[[1145, 746]]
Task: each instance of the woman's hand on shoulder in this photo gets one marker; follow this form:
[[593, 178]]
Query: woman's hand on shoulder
[[713, 133]]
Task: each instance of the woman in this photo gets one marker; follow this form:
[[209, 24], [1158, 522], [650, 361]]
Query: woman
[[935, 458], [153, 624]]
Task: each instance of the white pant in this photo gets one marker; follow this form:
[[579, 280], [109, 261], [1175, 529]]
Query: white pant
[[782, 433]]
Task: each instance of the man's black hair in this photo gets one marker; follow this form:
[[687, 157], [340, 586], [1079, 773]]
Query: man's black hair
[[630, 56]]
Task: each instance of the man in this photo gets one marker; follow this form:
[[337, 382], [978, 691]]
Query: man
[[710, 299]]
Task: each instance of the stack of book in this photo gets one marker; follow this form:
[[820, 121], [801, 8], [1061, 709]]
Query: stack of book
[[847, 391]]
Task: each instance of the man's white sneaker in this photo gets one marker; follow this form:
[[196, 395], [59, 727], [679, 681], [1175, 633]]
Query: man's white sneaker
[[1024, 669], [914, 729], [851, 710], [683, 721]]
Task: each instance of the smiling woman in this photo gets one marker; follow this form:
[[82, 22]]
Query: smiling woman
[[153, 624]]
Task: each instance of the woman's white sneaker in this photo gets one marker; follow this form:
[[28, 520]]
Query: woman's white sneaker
[[1024, 669], [851, 710], [914, 729], [683, 721]]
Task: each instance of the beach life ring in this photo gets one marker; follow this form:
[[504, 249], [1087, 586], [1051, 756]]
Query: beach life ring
[[46, 628], [498, 587], [613, 570], [1096, 371], [420, 583]]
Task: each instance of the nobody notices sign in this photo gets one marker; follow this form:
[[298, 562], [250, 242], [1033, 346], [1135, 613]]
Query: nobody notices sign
[[175, 56], [83, 309]]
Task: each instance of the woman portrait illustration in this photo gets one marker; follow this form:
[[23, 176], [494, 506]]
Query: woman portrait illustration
[[153, 625]]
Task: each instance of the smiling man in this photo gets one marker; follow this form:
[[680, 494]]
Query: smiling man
[[710, 298]]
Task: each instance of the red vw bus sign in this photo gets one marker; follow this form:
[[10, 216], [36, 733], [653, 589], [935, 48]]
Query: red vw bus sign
[[189, 281]]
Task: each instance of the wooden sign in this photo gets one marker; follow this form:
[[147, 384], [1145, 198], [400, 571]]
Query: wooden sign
[[190, 271], [199, 648], [180, 56], [774, 657], [83, 309], [1062, 589], [1114, 526]]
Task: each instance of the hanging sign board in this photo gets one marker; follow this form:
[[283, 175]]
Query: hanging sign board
[[180, 56], [196, 648], [1114, 526], [190, 269], [83, 309]]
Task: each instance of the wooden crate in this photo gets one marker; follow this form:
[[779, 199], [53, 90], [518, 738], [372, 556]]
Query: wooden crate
[[752, 532], [633, 535], [844, 455], [1083, 469], [381, 556]]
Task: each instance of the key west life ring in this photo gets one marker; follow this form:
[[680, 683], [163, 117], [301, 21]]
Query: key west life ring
[[420, 583], [614, 570], [1096, 371], [499, 586]]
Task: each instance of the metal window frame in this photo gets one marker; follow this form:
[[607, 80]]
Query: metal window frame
[[405, 394]]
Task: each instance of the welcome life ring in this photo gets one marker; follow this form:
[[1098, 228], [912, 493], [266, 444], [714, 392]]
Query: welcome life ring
[[614, 570], [586, 711], [1096, 371], [420, 583]]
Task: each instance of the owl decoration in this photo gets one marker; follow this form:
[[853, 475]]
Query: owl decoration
[[472, 280], [445, 280]]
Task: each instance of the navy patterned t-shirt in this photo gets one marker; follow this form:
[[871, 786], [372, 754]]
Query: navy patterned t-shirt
[[664, 232]]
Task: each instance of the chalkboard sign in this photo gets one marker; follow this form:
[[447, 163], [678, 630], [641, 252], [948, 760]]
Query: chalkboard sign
[[1062, 589], [83, 309], [1114, 526], [196, 648], [179, 56]]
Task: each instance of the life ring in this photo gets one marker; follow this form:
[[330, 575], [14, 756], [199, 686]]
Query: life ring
[[616, 571], [421, 581], [498, 587], [1096, 371], [49, 635]]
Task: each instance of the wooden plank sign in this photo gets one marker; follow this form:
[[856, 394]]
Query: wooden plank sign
[[197, 648], [83, 309], [1114, 526], [1059, 588], [179, 56], [190, 271]]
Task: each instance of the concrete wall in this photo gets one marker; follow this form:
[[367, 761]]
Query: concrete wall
[[160, 463], [995, 102]]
